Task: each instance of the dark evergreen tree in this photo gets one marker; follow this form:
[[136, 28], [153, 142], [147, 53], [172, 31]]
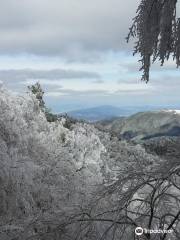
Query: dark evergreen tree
[[157, 30], [37, 90]]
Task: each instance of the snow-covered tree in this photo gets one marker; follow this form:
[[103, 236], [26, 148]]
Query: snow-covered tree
[[157, 30], [37, 90], [45, 169]]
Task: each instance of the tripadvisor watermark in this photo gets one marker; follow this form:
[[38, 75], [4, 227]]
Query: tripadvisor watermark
[[140, 231]]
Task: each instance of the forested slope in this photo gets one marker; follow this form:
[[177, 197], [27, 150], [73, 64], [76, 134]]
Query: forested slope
[[77, 182]]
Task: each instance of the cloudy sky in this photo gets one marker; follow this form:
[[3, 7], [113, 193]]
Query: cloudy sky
[[77, 50]]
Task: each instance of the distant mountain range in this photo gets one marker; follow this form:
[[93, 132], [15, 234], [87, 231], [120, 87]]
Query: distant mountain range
[[105, 112], [99, 113]]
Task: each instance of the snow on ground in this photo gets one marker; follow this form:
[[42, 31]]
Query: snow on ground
[[175, 111]]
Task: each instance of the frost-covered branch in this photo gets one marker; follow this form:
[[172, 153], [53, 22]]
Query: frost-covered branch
[[157, 30]]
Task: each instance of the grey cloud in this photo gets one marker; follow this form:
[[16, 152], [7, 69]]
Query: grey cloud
[[91, 93], [54, 74], [133, 67], [128, 80], [70, 28], [22, 74], [166, 82], [17, 79], [75, 93], [98, 81]]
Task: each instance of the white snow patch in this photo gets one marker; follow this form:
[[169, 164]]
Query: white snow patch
[[172, 111]]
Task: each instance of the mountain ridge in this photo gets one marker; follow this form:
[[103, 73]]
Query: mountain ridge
[[145, 125], [106, 112]]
